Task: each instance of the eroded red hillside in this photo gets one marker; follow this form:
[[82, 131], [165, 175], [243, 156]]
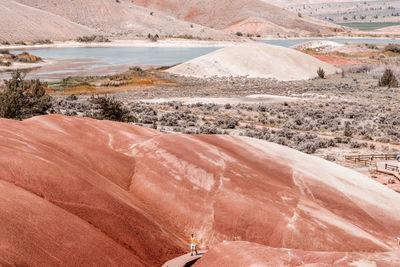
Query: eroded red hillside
[[126, 195], [249, 16]]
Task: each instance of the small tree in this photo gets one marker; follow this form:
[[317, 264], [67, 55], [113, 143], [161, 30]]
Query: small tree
[[22, 99], [347, 130], [321, 73], [110, 109], [388, 79]]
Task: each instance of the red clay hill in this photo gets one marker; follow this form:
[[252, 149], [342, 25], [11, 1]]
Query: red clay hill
[[76, 191], [246, 16]]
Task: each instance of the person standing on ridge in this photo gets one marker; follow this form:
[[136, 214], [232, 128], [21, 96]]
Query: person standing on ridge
[[193, 247]]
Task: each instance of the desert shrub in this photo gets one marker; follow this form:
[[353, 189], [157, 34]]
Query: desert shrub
[[153, 38], [110, 109], [388, 79], [362, 68], [171, 118], [137, 71], [207, 129], [5, 43], [239, 34], [330, 158], [321, 73], [4, 52], [43, 41], [5, 63], [394, 48], [72, 97], [186, 36], [371, 46], [308, 147], [22, 99], [347, 130], [355, 144], [229, 123], [93, 38]]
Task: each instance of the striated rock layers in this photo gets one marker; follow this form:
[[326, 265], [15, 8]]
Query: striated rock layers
[[76, 191]]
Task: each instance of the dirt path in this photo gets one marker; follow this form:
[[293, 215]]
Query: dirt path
[[184, 261]]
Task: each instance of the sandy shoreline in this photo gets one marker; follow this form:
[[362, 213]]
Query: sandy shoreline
[[174, 42], [130, 43]]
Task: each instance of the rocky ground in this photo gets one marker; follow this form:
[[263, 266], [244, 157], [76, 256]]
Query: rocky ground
[[330, 117]]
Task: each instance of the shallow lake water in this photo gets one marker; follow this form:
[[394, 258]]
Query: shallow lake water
[[93, 61]]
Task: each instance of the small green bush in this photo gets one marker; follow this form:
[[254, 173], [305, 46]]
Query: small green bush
[[347, 130], [110, 109], [388, 79], [23, 99], [321, 73], [239, 34]]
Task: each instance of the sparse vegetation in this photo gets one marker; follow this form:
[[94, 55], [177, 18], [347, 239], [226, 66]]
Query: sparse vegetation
[[110, 109], [153, 38], [22, 99], [5, 63], [43, 41], [388, 79], [321, 73], [347, 130], [394, 48], [93, 38], [239, 34], [20, 43]]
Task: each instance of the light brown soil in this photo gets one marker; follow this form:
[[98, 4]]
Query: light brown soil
[[20, 23], [123, 19]]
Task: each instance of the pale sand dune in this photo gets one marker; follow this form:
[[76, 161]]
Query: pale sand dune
[[255, 60]]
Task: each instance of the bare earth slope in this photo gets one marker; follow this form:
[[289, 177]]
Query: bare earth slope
[[121, 19], [124, 195], [256, 60], [21, 23], [249, 16]]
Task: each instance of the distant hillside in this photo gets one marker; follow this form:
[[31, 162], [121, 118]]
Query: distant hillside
[[21, 23], [307, 2], [246, 16], [27, 20], [114, 18], [342, 11]]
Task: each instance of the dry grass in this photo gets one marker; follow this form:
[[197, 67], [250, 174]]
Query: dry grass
[[131, 83]]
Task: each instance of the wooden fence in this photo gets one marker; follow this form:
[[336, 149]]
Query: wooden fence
[[391, 167], [370, 157]]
